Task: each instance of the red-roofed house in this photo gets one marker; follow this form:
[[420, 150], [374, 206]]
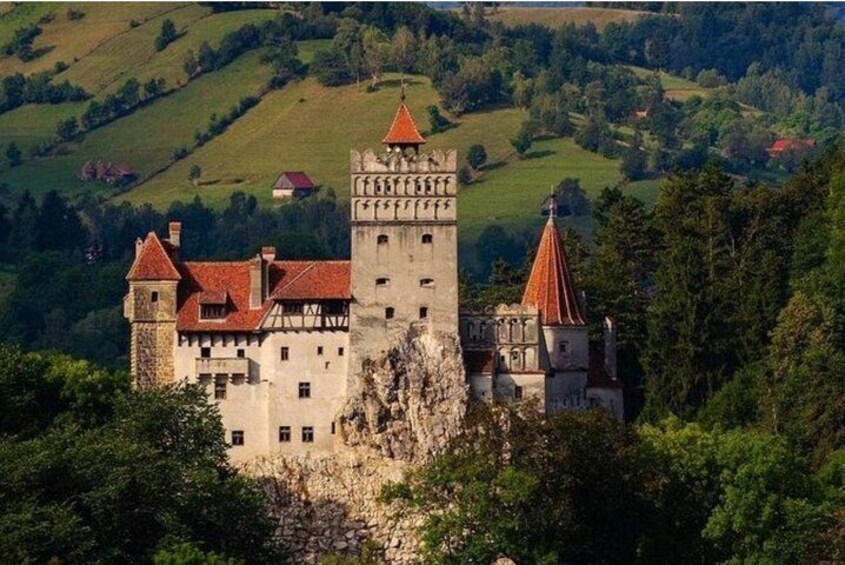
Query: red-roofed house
[[798, 145], [293, 183]]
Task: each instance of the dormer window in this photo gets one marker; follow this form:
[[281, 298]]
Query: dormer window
[[382, 239], [213, 305], [427, 238]]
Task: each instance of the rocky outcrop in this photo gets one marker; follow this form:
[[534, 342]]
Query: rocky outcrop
[[403, 408], [410, 402]]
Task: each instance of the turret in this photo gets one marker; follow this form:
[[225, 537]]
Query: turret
[[552, 291], [150, 308]]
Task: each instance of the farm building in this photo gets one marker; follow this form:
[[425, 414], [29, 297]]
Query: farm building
[[293, 183]]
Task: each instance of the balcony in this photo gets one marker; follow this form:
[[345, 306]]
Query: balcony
[[222, 365]]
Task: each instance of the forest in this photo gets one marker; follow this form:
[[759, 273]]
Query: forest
[[729, 295]]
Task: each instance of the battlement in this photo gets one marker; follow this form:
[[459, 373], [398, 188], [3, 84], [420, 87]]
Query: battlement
[[397, 161]]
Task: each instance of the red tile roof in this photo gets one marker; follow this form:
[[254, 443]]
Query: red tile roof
[[403, 130], [300, 280], [550, 288], [291, 280], [214, 297], [153, 262], [781, 145], [297, 179]]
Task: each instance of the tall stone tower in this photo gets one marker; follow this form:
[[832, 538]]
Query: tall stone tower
[[404, 241], [150, 308]]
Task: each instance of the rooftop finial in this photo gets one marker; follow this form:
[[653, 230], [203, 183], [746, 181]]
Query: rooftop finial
[[552, 204], [402, 91]]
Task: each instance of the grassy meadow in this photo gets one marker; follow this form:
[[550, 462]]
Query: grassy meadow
[[556, 17]]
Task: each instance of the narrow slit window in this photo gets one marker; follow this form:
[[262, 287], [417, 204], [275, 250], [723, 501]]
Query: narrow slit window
[[154, 296], [382, 281], [427, 283]]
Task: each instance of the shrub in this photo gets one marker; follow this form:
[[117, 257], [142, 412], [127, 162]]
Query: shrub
[[167, 35], [477, 156]]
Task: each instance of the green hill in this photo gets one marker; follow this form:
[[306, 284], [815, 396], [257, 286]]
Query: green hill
[[303, 126]]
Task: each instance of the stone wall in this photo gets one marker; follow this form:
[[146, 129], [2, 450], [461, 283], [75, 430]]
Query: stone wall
[[404, 408]]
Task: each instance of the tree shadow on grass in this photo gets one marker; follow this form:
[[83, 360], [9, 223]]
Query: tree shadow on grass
[[493, 166], [539, 154]]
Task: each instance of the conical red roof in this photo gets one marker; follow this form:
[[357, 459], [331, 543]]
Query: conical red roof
[[550, 288], [403, 130], [153, 263]]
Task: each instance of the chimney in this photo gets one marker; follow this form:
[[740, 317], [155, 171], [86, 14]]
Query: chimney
[[610, 347], [256, 282], [268, 255], [175, 230], [138, 244]]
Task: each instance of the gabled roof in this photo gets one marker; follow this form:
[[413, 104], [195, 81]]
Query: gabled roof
[[289, 280], [550, 288], [300, 280], [153, 263], [297, 179], [403, 130]]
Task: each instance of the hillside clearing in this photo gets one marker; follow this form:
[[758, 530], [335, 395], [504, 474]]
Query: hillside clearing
[[68, 40]]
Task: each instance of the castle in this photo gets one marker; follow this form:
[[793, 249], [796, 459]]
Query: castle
[[277, 343]]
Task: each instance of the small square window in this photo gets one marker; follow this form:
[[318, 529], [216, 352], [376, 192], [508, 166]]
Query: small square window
[[205, 379], [205, 352], [340, 352], [517, 392], [382, 281], [285, 353], [423, 313], [382, 239], [220, 387], [154, 296], [515, 355], [237, 437], [388, 313], [304, 390], [238, 378], [284, 434], [427, 238], [562, 346], [307, 434], [241, 353], [319, 350]]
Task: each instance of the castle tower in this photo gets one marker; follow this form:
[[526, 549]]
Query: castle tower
[[150, 308], [404, 241], [564, 329]]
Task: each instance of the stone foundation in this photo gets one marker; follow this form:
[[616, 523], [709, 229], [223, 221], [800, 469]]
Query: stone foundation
[[405, 408]]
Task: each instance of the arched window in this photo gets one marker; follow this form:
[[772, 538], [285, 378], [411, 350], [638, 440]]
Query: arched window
[[382, 239], [382, 281], [427, 282], [427, 238]]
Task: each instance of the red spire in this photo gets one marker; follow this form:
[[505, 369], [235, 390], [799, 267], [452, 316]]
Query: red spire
[[153, 263], [550, 288], [403, 130]]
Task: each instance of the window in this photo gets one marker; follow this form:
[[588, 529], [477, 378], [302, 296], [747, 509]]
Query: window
[[205, 379], [427, 238], [319, 350], [426, 282], [205, 352], [517, 392], [382, 239], [307, 434], [237, 437], [304, 390], [154, 296], [515, 355], [383, 281], [423, 312], [285, 353], [241, 353], [284, 434], [294, 308], [212, 311], [562, 346], [388, 313], [332, 428], [340, 352], [238, 378], [220, 387]]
